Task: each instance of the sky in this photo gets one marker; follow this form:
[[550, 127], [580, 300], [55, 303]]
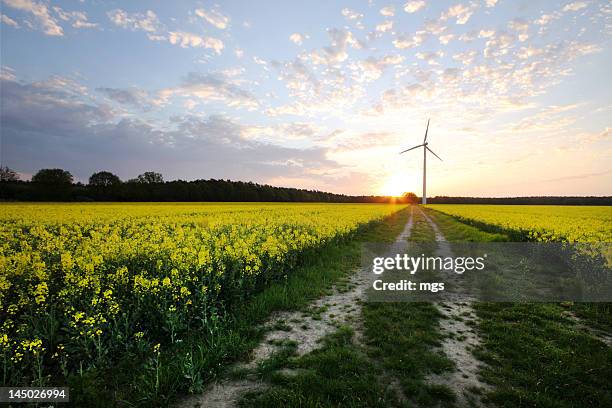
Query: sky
[[318, 94]]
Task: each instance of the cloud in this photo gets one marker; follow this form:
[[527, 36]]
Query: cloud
[[297, 38], [371, 68], [9, 21], [133, 97], [414, 6], [57, 103], [403, 41], [186, 40], [385, 26], [576, 177], [84, 137], [147, 22], [461, 12], [337, 51], [351, 14], [575, 6], [466, 58], [388, 11], [211, 88], [284, 132], [41, 14], [7, 73], [521, 27], [445, 39], [490, 3], [298, 78], [78, 19], [213, 17], [430, 57]]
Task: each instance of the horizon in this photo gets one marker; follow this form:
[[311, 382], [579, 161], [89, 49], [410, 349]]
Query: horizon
[[319, 96]]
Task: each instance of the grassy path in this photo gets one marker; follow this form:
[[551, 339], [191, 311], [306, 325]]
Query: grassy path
[[461, 337], [536, 354]]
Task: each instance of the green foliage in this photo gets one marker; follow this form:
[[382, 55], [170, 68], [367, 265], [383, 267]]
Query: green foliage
[[150, 177], [53, 177], [104, 179]]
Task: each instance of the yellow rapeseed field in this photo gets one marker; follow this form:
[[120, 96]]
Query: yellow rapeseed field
[[540, 222], [80, 282]]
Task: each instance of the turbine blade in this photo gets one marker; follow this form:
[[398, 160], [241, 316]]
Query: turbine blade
[[426, 130], [432, 152], [412, 148]]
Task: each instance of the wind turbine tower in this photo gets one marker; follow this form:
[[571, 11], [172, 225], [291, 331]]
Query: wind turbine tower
[[425, 149]]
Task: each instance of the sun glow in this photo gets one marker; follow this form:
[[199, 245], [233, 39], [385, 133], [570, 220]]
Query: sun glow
[[395, 186]]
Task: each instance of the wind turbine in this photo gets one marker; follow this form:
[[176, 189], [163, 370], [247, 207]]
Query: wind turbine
[[425, 149]]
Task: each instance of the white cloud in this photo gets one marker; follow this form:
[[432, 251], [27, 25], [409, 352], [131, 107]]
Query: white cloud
[[186, 40], [41, 14], [575, 6], [459, 11], [414, 6], [208, 88], [430, 57], [466, 58], [297, 38], [388, 11], [486, 33], [403, 41], [490, 3], [337, 51], [147, 22], [78, 19], [385, 26], [371, 68], [213, 17], [521, 27], [445, 39], [351, 14], [239, 52], [9, 21], [7, 73]]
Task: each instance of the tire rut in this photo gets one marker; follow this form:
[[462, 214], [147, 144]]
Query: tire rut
[[458, 326]]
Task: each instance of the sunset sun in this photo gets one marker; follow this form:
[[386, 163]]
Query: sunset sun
[[395, 185]]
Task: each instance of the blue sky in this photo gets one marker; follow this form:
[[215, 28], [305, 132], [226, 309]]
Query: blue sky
[[318, 94]]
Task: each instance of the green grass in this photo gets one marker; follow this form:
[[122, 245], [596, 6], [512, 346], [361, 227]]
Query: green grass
[[337, 374], [536, 356]]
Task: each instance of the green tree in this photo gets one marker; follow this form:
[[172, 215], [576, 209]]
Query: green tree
[[150, 177], [53, 177], [7, 174], [104, 179]]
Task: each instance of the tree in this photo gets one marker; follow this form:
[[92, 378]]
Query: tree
[[104, 179], [150, 177], [55, 177], [7, 174], [410, 198]]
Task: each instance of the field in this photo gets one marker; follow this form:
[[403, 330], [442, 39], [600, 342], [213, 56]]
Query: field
[[81, 285], [539, 222], [143, 304]]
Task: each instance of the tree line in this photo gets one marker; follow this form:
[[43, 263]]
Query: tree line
[[59, 185]]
